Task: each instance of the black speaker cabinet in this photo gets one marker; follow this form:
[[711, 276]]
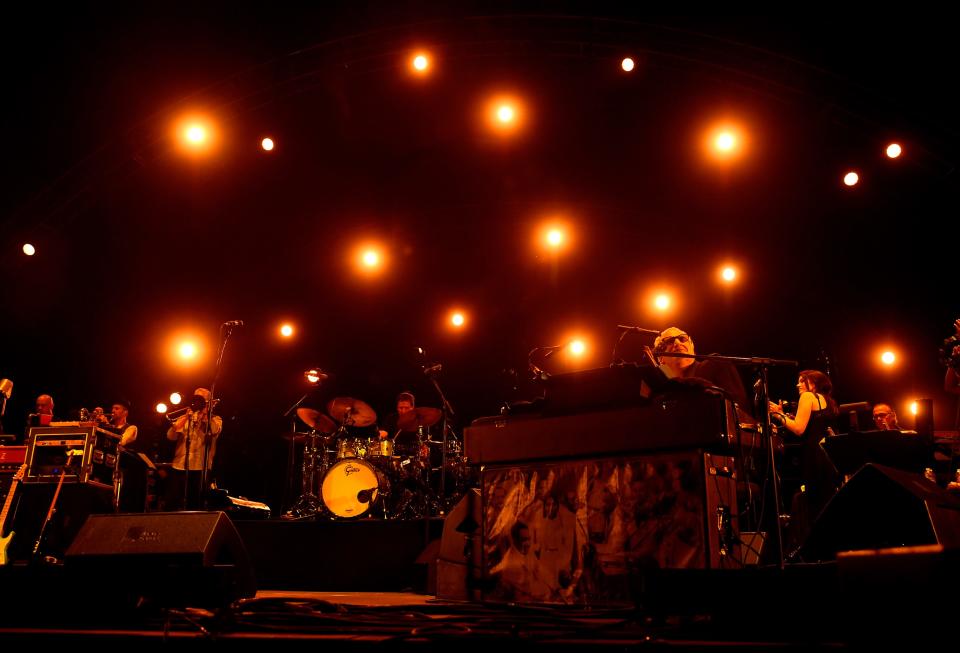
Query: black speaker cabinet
[[881, 507], [175, 558]]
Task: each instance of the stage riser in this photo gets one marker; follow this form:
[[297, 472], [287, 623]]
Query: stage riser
[[365, 556]]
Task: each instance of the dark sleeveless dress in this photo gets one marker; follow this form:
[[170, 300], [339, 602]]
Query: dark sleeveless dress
[[817, 473]]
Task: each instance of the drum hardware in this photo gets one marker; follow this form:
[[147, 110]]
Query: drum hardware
[[308, 504]]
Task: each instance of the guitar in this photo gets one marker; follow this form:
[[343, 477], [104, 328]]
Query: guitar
[[5, 541]]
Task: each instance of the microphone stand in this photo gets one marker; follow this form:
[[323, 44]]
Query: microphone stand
[[226, 330], [763, 364], [288, 487], [447, 414]]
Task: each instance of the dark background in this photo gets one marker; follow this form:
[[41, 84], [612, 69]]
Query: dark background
[[136, 241]]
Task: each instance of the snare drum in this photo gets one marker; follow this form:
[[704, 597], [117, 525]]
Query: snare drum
[[352, 486], [351, 448]]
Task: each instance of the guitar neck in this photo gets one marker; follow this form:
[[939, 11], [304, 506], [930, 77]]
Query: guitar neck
[[6, 504]]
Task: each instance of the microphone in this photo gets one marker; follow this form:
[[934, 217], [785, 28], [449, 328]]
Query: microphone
[[433, 369], [365, 496], [636, 329], [234, 323]]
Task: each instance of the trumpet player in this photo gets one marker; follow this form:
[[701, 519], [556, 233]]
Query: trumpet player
[[117, 421]]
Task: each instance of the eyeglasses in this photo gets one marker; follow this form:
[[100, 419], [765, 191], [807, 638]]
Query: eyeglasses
[[684, 338], [881, 416]]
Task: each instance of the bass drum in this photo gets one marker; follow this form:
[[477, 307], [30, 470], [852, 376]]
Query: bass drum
[[352, 486]]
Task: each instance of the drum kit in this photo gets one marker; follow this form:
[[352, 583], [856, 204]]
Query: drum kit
[[350, 473]]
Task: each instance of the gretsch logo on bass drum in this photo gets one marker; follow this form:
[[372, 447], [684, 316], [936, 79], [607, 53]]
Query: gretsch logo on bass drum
[[350, 469]]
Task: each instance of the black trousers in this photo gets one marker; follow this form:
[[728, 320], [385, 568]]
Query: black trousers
[[185, 484]]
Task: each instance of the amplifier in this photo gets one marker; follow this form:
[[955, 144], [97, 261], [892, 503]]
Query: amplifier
[[11, 458], [90, 451]]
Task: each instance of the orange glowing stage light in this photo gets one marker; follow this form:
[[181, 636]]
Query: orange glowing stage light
[[196, 134], [457, 320], [914, 407], [554, 236], [186, 349], [894, 150], [505, 114], [175, 398], [851, 179], [725, 142], [662, 302], [29, 249], [286, 330], [577, 348], [267, 144], [420, 63], [627, 64], [888, 358], [728, 274], [369, 259], [161, 408]]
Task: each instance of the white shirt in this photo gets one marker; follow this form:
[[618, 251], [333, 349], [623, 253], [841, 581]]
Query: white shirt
[[197, 430]]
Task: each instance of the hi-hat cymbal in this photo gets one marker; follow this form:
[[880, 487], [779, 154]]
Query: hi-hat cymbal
[[417, 417], [351, 412], [316, 420]]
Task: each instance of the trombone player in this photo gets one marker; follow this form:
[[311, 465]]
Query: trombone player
[[196, 434]]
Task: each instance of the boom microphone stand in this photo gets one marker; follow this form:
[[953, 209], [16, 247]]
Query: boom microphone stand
[[226, 330], [763, 365]]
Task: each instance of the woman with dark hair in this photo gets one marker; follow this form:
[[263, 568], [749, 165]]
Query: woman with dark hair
[[815, 411]]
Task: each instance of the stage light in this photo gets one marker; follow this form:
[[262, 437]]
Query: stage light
[[457, 319], [286, 330], [914, 407], [188, 350], [175, 398], [29, 249], [314, 375], [577, 348], [195, 134], [894, 150], [728, 274], [627, 64], [420, 63], [851, 178], [267, 144], [725, 142], [888, 358], [505, 114], [371, 258], [161, 408], [662, 302]]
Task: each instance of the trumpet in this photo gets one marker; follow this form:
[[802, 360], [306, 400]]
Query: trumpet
[[197, 404]]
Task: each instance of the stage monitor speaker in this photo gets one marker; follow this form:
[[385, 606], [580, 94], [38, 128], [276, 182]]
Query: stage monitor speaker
[[879, 508], [189, 558]]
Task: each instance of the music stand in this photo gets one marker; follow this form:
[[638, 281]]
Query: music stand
[[907, 451]]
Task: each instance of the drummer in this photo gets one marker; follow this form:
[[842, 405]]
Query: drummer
[[404, 441]]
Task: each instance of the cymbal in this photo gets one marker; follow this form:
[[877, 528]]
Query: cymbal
[[299, 438], [351, 412], [316, 420], [417, 417]]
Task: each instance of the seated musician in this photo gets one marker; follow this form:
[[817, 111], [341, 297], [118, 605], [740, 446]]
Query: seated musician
[[885, 417], [405, 442], [721, 374]]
